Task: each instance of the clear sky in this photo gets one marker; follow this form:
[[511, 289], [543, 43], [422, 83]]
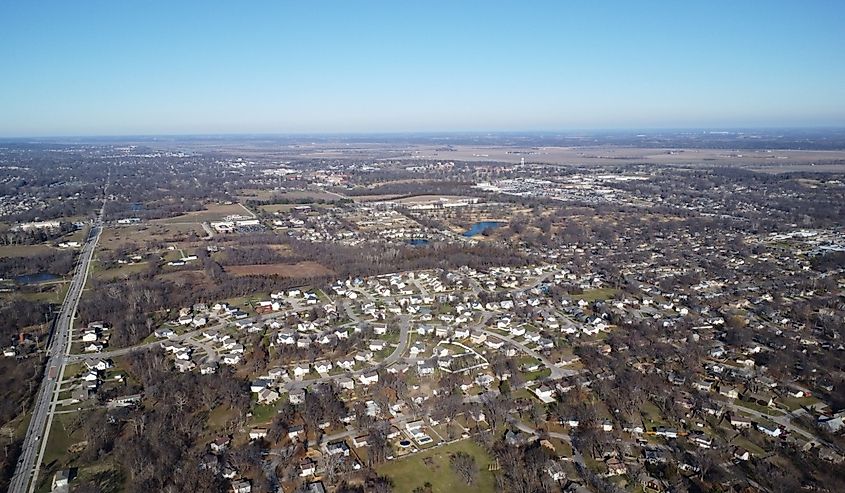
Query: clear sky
[[148, 67]]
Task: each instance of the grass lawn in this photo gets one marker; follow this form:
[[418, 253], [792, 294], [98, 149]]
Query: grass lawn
[[528, 360], [25, 250], [594, 465], [748, 445], [17, 425], [756, 407], [121, 272], [218, 418], [56, 454], [415, 470], [244, 303], [48, 293], [793, 403], [535, 375], [595, 294], [104, 474], [263, 413], [562, 447], [522, 393]]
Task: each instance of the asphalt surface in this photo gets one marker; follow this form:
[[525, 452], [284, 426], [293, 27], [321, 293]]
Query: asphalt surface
[[26, 471]]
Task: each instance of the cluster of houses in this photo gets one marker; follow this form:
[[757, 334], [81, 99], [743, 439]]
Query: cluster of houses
[[94, 337], [91, 378], [453, 330]]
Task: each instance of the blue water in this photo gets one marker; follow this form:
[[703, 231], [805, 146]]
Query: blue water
[[36, 278], [418, 242], [481, 227]]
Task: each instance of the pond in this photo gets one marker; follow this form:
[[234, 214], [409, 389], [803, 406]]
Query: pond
[[418, 242], [480, 227], [35, 278]]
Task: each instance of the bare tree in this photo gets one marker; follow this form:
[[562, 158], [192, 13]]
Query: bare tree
[[465, 467]]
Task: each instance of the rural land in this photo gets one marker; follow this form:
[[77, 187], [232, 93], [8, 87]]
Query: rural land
[[601, 312]]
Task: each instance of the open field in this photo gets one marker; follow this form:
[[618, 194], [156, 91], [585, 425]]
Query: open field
[[119, 272], [433, 466], [426, 199], [595, 294], [191, 277], [789, 160], [301, 269], [25, 250], [307, 195], [274, 208], [255, 194], [375, 198], [53, 292], [112, 238], [212, 212]]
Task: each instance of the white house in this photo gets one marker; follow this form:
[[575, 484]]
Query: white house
[[300, 370], [368, 378]]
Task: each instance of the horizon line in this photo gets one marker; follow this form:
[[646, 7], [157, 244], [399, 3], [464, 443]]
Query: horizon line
[[711, 129]]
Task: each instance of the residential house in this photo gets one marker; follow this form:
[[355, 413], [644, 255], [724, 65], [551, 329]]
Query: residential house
[[296, 396], [257, 433], [368, 378]]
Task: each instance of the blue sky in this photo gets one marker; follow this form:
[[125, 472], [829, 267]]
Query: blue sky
[[115, 68]]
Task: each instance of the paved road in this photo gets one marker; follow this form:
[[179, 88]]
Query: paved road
[[26, 472], [784, 420], [73, 358]]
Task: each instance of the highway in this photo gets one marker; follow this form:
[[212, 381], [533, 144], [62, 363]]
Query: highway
[[26, 472]]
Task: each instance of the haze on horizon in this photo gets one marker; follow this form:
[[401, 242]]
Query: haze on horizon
[[108, 68]]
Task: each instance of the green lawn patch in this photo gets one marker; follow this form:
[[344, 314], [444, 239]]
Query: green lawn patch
[[741, 441], [535, 375], [756, 407], [595, 294], [793, 403], [60, 438], [262, 413], [433, 466], [120, 272]]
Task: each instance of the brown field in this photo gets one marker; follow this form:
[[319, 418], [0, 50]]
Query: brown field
[[151, 231], [311, 195], [186, 277], [374, 198], [25, 250], [212, 212], [298, 270], [273, 208], [120, 272], [255, 194], [812, 168]]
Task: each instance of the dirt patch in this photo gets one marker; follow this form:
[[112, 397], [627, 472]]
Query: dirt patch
[[298, 270]]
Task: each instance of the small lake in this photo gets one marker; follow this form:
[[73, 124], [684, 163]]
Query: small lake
[[480, 227], [418, 242], [36, 278]]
